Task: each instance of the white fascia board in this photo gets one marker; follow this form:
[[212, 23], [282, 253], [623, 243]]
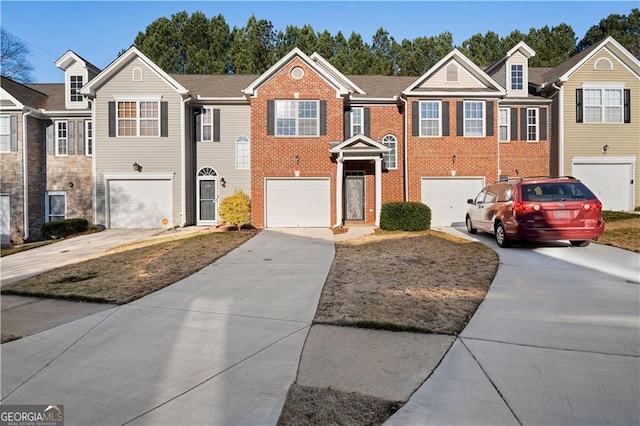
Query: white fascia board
[[375, 145], [524, 47], [138, 176], [337, 74], [66, 60], [603, 44], [448, 94], [4, 95], [66, 113], [360, 100], [222, 100]]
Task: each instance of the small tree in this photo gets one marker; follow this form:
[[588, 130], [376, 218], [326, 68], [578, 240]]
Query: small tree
[[236, 209]]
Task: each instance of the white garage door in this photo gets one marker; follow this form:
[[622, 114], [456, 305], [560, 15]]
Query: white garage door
[[139, 203], [611, 182], [292, 203], [5, 222], [447, 198]]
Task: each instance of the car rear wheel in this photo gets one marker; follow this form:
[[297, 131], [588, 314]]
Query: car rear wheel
[[501, 235], [579, 243], [470, 228]]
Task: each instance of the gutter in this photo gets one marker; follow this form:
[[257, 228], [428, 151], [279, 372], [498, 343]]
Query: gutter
[[25, 177]]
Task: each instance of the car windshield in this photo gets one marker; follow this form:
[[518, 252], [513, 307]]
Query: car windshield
[[556, 191]]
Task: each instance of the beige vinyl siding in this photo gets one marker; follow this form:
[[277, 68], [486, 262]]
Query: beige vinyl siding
[[235, 120], [587, 139], [465, 79], [517, 59], [155, 154], [75, 70]]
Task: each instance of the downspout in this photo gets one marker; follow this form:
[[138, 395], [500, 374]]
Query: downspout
[[25, 177], [183, 162], [406, 150], [560, 129]]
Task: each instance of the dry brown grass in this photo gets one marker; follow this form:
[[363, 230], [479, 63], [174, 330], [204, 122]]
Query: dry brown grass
[[624, 234], [132, 271]]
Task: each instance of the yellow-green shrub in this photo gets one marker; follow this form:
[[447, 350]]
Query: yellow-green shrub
[[236, 209]]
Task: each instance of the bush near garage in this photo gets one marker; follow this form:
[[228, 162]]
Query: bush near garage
[[63, 228], [405, 216], [236, 209]]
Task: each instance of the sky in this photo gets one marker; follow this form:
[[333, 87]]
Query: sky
[[99, 30]]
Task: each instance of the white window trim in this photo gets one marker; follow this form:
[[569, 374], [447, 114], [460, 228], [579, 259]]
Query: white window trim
[[297, 118], [88, 136], [394, 151], [77, 94], [508, 112], [137, 118], [537, 125], [482, 119], [511, 68], [602, 87], [361, 123], [57, 139], [8, 134], [203, 124], [47, 206], [420, 119], [248, 166]]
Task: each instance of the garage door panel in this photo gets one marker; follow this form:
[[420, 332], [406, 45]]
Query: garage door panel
[[447, 198], [294, 203], [610, 182], [139, 203]]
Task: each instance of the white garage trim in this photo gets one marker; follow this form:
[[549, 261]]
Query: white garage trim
[[610, 178], [447, 197], [152, 194], [297, 202]]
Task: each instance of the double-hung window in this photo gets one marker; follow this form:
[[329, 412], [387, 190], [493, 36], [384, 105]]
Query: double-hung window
[[55, 205], [297, 118], [390, 158], [603, 105], [242, 153], [75, 84], [207, 124], [357, 121], [430, 118], [474, 118], [138, 118], [88, 131], [532, 124], [5, 133], [504, 125], [517, 77], [62, 139]]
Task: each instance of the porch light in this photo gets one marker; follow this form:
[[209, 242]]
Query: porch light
[[137, 167], [453, 159], [223, 182], [605, 149]]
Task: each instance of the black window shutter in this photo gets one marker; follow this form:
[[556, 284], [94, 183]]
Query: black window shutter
[[523, 124], [367, 122], [197, 120], [112, 119], [216, 125], [489, 120], [514, 124], [323, 118], [13, 130], [445, 118], [543, 124], [271, 117], [579, 118], [459, 118], [347, 124], [80, 138], [48, 134], [627, 105], [70, 137], [415, 118], [164, 119]]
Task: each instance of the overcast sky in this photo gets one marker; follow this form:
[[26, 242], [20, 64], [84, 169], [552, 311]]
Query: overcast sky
[[98, 30]]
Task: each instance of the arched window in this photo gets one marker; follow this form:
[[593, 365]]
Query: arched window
[[391, 158], [242, 153]]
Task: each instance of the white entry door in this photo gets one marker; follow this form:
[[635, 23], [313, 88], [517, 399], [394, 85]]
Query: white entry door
[[447, 197], [292, 203]]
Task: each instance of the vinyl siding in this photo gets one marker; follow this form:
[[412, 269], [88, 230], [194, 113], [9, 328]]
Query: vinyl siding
[[516, 59], [587, 139], [465, 80], [75, 69], [155, 154]]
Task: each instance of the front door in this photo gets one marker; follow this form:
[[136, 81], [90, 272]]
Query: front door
[[208, 197], [354, 197]]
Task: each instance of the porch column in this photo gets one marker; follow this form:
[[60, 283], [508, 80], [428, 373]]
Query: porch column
[[378, 189], [339, 178]]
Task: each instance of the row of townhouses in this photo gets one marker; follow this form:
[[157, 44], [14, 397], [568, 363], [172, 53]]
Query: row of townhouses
[[131, 146]]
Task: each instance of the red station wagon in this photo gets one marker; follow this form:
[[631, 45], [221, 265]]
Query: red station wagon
[[537, 209]]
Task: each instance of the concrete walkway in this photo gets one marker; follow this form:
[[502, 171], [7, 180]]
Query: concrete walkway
[[219, 347]]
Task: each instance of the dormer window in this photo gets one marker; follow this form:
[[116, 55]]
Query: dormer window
[[75, 84], [517, 77]]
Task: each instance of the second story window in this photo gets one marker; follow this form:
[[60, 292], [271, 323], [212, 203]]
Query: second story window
[[430, 118], [62, 147], [207, 124], [473, 118], [532, 124], [357, 121], [504, 124], [297, 118], [517, 77], [138, 118], [5, 133], [75, 84], [89, 138], [603, 105]]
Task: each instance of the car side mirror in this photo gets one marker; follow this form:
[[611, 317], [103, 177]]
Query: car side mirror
[[470, 201]]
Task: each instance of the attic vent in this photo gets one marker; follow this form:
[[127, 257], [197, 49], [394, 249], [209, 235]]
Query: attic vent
[[452, 73], [137, 74], [603, 64], [297, 73]]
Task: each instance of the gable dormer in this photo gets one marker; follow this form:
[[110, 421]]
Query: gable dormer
[[77, 73], [512, 70]]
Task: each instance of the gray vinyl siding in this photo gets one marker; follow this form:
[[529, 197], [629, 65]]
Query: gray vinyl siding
[[155, 154], [235, 120], [500, 75]]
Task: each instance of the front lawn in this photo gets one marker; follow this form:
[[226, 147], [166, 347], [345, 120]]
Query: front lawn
[[622, 230]]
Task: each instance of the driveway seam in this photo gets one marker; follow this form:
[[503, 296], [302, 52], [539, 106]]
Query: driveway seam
[[492, 383], [208, 379], [61, 353]]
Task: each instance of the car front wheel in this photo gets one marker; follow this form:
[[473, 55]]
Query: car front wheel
[[579, 243], [501, 235], [470, 228]]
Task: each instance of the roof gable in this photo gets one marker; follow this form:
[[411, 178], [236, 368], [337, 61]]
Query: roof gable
[[69, 58], [360, 144], [20, 95]]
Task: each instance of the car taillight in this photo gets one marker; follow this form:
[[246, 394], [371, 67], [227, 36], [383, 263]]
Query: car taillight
[[521, 207], [594, 205]]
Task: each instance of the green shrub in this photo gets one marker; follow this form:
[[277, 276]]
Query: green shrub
[[611, 216], [405, 216], [63, 228], [236, 209]]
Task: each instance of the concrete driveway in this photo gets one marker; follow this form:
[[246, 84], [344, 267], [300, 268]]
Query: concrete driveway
[[219, 347], [556, 341]]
